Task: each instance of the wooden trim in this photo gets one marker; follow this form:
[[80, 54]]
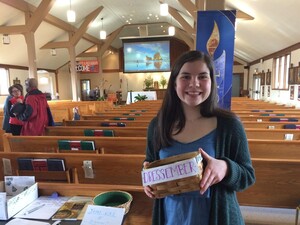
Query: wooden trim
[[281, 52], [7, 66], [110, 70]]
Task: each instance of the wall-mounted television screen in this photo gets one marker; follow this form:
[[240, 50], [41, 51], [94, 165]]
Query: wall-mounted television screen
[[146, 55]]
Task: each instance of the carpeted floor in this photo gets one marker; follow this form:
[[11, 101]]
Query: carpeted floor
[[268, 216]]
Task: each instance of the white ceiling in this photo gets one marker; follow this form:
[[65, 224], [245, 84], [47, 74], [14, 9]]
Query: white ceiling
[[275, 27]]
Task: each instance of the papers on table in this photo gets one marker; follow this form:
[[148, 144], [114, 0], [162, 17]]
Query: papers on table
[[42, 208], [102, 215], [25, 222]]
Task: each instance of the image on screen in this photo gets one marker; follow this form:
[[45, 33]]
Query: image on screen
[[146, 56]]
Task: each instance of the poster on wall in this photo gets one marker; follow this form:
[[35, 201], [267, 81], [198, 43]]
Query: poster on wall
[[87, 66], [262, 91], [298, 93], [269, 91], [215, 36], [292, 91]]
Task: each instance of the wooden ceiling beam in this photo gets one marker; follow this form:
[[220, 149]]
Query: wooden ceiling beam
[[200, 4], [109, 40], [190, 7], [84, 26], [182, 21], [58, 44], [18, 29], [39, 14], [26, 7], [189, 40]]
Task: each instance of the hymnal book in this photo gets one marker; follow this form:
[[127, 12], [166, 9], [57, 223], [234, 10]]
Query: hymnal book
[[71, 209], [56, 164], [51, 164], [75, 145], [39, 164], [25, 164], [106, 133]]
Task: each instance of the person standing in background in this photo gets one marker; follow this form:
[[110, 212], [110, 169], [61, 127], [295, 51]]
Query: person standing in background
[[37, 114], [16, 91], [95, 94], [6, 115]]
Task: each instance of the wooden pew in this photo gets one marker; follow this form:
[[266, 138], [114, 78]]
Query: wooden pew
[[128, 123], [275, 149], [1, 121], [267, 125], [277, 184], [79, 131], [114, 145], [1, 140], [286, 112], [63, 110], [276, 134], [121, 112], [117, 117], [268, 118]]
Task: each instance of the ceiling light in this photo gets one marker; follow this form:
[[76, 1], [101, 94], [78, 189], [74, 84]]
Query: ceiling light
[[171, 30], [6, 39], [102, 32], [71, 15], [164, 9]]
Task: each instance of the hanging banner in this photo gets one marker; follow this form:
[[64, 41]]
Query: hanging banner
[[87, 66], [215, 36]]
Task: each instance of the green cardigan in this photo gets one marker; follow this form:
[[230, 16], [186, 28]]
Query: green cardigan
[[231, 146]]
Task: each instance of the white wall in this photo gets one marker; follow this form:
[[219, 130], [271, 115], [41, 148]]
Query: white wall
[[277, 96]]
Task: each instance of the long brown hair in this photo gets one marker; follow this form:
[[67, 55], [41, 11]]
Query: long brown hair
[[171, 112]]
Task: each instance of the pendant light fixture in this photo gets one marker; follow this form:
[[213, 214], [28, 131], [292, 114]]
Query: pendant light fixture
[[171, 30], [102, 32], [164, 9], [71, 15]]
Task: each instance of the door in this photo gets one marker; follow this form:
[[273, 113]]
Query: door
[[236, 81], [256, 87], [85, 87]]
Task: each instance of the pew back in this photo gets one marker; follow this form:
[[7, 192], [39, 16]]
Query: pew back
[[276, 134], [128, 123], [79, 131], [277, 184], [115, 145]]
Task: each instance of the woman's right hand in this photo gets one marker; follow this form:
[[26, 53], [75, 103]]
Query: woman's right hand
[[147, 189]]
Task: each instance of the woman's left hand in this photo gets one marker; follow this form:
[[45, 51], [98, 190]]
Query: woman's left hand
[[214, 172]]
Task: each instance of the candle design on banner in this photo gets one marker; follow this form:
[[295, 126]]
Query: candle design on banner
[[213, 41]]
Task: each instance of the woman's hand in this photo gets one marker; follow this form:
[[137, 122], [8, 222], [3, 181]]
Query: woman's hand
[[19, 100], [214, 172], [147, 189]]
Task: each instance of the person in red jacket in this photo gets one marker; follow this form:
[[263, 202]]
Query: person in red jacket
[[16, 91], [36, 114]]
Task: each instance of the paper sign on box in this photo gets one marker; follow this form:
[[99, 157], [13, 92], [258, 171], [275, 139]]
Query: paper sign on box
[[10, 206], [173, 171]]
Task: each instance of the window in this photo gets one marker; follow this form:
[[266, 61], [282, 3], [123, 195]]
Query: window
[[281, 71], [4, 84]]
